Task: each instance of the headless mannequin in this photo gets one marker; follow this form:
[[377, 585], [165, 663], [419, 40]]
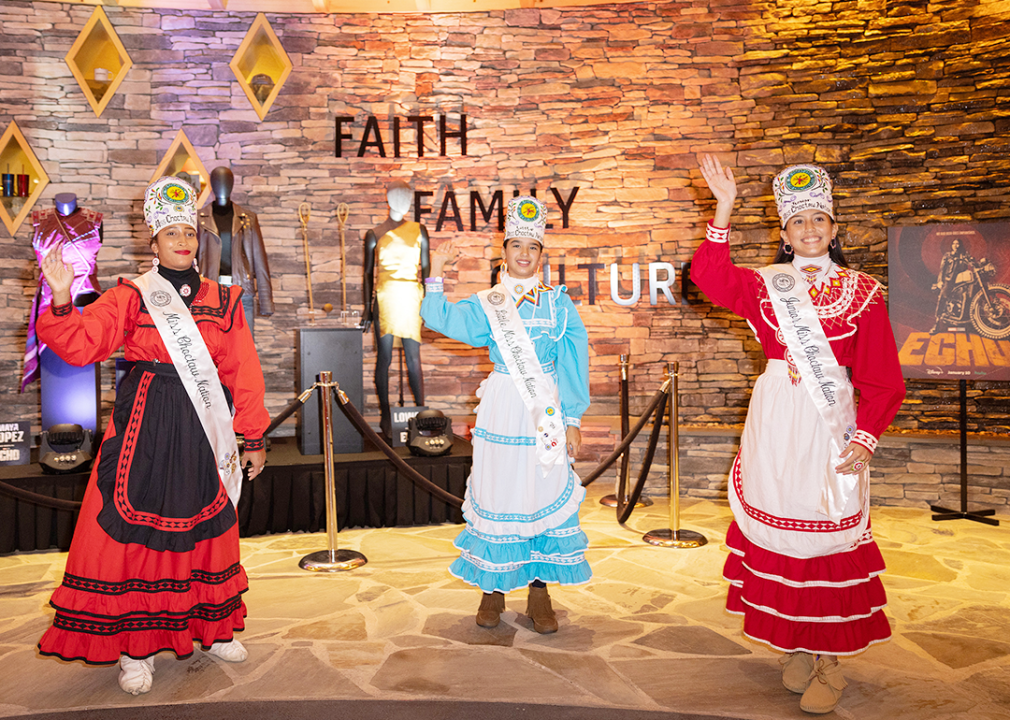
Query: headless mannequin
[[231, 247], [222, 181], [398, 196], [66, 205]]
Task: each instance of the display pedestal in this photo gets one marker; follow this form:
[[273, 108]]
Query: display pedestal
[[337, 350], [70, 394]]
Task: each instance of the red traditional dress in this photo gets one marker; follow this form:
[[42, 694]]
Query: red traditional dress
[[801, 581], [154, 562]]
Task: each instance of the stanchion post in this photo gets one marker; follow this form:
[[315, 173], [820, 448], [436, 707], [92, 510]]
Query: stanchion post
[[332, 559], [611, 500], [673, 536], [673, 445]]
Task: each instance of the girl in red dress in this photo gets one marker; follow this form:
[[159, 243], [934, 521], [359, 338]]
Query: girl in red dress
[[803, 565], [154, 562]]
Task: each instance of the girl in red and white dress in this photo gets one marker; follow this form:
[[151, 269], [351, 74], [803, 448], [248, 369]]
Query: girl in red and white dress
[[803, 565]]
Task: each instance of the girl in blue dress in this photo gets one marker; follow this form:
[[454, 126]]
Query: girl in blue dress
[[523, 497]]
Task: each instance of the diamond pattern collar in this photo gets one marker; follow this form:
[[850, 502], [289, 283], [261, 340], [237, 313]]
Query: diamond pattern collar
[[816, 271], [523, 290]]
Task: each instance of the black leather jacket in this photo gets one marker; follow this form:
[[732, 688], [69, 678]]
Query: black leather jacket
[[249, 266]]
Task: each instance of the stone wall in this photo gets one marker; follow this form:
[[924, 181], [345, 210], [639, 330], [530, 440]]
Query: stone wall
[[908, 106]]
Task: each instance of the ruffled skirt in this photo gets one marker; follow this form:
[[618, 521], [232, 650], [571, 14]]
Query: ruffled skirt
[[521, 523], [154, 562], [802, 582], [830, 605]]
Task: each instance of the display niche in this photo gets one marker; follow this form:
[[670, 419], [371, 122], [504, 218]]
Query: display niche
[[181, 161], [98, 61], [261, 65], [23, 176]]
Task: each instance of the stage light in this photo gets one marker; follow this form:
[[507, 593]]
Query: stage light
[[429, 434], [65, 448]]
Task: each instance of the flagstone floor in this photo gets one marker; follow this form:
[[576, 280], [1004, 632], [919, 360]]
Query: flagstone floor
[[648, 632]]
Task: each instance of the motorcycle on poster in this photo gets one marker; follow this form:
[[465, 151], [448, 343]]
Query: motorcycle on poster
[[949, 300]]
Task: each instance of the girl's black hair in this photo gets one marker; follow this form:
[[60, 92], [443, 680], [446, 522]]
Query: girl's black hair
[[834, 252], [503, 242]]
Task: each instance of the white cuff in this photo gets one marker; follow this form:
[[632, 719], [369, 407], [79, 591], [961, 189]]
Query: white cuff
[[573, 422], [714, 234], [865, 439]]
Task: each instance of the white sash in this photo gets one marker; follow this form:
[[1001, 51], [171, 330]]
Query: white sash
[[539, 394], [823, 378], [192, 361]]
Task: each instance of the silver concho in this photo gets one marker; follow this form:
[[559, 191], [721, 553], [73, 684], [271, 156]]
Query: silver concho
[[495, 298], [783, 282], [160, 298]]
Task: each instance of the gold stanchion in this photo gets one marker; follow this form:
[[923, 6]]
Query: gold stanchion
[[673, 536], [331, 559], [342, 212], [611, 500]]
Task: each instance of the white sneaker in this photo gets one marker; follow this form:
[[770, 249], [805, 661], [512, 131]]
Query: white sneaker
[[233, 651], [136, 676]]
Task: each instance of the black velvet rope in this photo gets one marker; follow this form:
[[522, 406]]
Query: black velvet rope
[[36, 499], [632, 434], [411, 474], [624, 509], [284, 415]]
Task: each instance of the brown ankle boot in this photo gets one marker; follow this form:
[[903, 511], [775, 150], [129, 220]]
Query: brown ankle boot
[[826, 685], [797, 669], [539, 610], [492, 605]]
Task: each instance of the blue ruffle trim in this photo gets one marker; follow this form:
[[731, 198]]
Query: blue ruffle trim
[[499, 563]]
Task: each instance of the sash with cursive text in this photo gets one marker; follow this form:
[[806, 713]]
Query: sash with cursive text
[[199, 376], [823, 378], [535, 388]]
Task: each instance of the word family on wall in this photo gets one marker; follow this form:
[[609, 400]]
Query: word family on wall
[[449, 211]]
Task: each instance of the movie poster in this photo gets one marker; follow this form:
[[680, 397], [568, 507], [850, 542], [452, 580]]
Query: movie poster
[[949, 300]]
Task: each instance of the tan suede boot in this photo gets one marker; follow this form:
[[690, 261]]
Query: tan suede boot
[[796, 671], [539, 610], [492, 605], [826, 685]]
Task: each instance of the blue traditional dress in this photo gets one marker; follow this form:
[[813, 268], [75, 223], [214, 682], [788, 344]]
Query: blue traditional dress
[[522, 524]]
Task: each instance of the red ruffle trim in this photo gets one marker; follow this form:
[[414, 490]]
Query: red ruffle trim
[[127, 599], [854, 566], [106, 649], [801, 613]]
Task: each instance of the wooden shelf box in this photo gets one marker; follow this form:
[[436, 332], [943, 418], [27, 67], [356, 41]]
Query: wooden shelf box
[[261, 65], [98, 50], [17, 158]]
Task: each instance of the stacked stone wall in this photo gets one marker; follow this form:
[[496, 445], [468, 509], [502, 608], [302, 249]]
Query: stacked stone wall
[[906, 104]]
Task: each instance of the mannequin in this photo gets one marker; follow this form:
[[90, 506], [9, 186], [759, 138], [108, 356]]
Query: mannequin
[[222, 181], [80, 230], [231, 247], [399, 249]]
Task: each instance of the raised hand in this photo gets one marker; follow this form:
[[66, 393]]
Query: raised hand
[[721, 182], [58, 274], [445, 254]]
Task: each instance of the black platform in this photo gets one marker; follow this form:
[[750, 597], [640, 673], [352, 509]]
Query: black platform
[[289, 495]]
